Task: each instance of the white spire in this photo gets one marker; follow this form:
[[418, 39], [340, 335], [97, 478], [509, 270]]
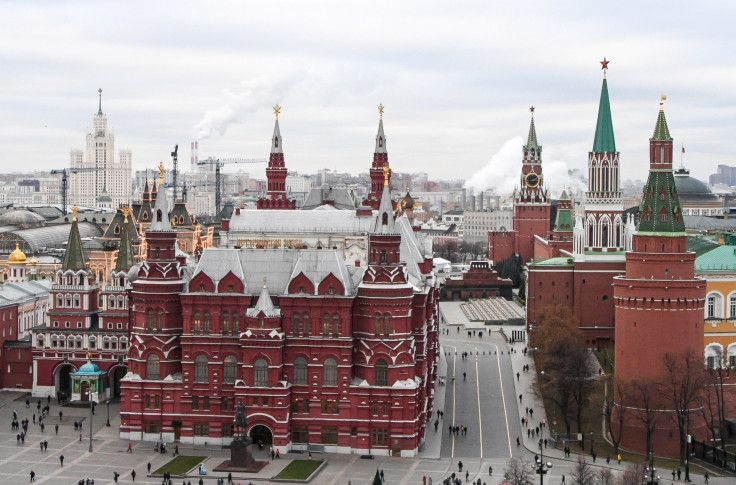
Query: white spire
[[384, 221]]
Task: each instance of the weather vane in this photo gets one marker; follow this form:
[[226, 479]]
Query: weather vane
[[386, 173], [74, 213], [604, 66], [380, 110], [161, 173], [126, 213], [277, 110], [661, 102]]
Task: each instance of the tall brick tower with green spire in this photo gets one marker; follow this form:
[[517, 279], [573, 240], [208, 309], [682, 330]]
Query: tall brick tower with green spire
[[531, 202], [659, 301], [603, 223]]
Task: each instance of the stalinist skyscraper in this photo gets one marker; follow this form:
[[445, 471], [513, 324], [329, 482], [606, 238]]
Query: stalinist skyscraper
[[100, 173]]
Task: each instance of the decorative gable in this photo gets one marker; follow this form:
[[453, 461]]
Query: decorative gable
[[331, 286], [301, 284], [230, 284]]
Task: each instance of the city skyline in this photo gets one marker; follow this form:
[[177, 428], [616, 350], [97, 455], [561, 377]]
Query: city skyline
[[456, 83]]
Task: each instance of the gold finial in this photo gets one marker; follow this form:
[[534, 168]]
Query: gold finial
[[74, 213], [161, 174], [277, 110], [173, 220], [380, 110], [386, 173], [89, 356], [242, 204], [265, 280], [126, 213], [661, 102]]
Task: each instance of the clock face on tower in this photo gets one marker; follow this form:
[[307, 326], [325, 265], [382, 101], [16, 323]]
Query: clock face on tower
[[531, 180]]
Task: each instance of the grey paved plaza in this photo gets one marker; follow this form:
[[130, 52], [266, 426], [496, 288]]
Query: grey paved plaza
[[482, 396]]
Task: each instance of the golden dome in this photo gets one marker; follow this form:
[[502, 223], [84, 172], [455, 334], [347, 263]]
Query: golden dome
[[34, 261], [17, 256]]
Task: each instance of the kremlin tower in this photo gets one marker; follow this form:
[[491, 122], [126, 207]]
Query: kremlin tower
[[380, 159], [531, 202], [602, 229], [276, 197], [659, 301]]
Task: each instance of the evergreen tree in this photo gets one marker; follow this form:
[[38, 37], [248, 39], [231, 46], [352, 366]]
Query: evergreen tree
[[377, 478]]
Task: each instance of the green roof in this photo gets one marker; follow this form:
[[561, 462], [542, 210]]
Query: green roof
[[661, 131], [125, 253], [563, 221], [700, 245], [604, 141], [559, 261], [722, 258], [531, 141], [660, 202], [74, 256], [564, 196]]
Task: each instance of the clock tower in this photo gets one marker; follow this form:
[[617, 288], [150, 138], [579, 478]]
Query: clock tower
[[531, 202]]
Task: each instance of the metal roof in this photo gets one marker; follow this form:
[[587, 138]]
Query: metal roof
[[51, 237], [722, 258]]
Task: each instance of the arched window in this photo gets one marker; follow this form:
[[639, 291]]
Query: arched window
[[150, 320], [381, 373], [714, 306], [68, 301], [336, 325], [225, 323], [206, 323], [330, 372], [201, 373], [230, 369], [197, 324], [377, 325], [236, 324], [159, 320], [386, 324], [732, 306], [59, 301], [663, 215], [297, 325], [153, 367], [159, 215], [307, 329], [300, 371], [260, 373], [326, 325], [111, 302]]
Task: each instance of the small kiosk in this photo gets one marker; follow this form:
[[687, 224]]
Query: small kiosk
[[88, 382]]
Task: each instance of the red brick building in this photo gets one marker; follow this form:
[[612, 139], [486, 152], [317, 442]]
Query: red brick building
[[326, 352], [659, 303], [276, 196]]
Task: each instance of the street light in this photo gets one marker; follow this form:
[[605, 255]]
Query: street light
[[91, 404], [108, 413], [686, 415], [651, 470], [542, 467], [592, 441]]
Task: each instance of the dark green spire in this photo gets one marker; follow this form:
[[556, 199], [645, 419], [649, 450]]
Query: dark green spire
[[604, 141], [125, 252], [531, 142], [661, 131], [99, 110], [563, 220], [74, 256]]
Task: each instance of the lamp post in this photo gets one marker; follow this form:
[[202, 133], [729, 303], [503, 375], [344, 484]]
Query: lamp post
[[542, 467], [686, 414], [650, 470], [91, 403], [108, 413], [592, 441]]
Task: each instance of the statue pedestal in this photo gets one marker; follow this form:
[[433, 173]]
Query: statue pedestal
[[240, 453], [241, 458]]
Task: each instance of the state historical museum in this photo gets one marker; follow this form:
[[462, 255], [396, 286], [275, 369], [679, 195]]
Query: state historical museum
[[330, 343]]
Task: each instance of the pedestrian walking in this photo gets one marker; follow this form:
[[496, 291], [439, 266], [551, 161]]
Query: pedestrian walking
[[383, 479], [673, 473], [130, 448], [45, 445], [201, 482], [460, 465], [519, 397], [517, 377], [229, 477], [563, 480], [60, 415], [56, 428], [490, 470], [41, 445], [706, 476], [42, 427], [33, 476], [467, 475], [61, 460], [176, 449], [132, 474], [149, 467], [34, 418], [115, 476], [619, 458], [679, 474]]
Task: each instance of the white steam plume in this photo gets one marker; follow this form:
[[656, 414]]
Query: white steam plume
[[258, 92], [502, 173]]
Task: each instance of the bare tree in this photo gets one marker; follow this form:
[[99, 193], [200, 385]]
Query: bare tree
[[681, 386], [583, 473], [714, 406], [604, 476], [615, 401], [645, 407], [633, 475], [519, 472]]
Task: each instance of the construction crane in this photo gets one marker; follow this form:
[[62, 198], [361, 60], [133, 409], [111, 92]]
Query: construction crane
[[64, 183], [218, 163]]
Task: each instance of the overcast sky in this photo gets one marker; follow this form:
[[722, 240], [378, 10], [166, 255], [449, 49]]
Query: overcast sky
[[457, 79]]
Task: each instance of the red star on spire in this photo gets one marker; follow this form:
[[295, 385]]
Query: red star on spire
[[604, 64], [531, 109]]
